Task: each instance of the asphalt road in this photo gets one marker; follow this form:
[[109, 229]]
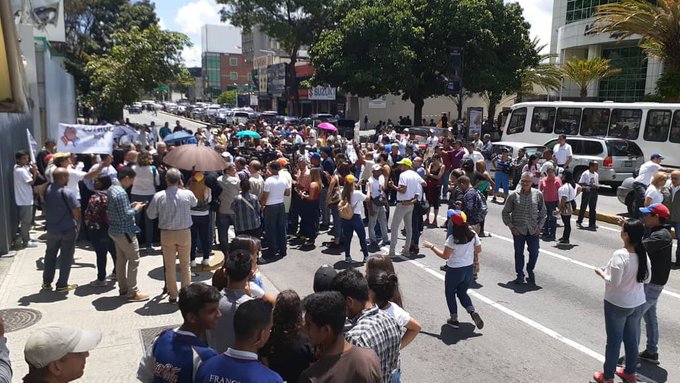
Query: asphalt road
[[553, 332]]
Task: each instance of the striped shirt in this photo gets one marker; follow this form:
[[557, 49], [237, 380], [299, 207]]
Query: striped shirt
[[525, 211], [121, 213], [247, 210], [172, 207]]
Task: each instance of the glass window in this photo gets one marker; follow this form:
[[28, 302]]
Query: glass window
[[517, 120], [583, 9], [576, 146], [543, 120], [625, 123], [233, 75], [658, 124], [675, 128], [629, 85], [567, 121], [623, 148], [233, 61], [594, 122], [592, 148]]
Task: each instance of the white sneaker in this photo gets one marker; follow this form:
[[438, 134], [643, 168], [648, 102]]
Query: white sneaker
[[205, 262], [193, 264], [111, 277]]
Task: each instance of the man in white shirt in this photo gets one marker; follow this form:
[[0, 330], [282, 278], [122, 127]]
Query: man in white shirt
[[562, 153], [24, 177], [75, 176], [590, 182], [644, 178], [276, 188], [410, 184], [472, 153], [432, 141], [376, 206]]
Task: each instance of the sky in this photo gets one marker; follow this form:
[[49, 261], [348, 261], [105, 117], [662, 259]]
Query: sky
[[187, 16]]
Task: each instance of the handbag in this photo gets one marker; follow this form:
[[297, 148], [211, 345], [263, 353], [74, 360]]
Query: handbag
[[336, 197], [424, 205], [380, 200], [346, 210]]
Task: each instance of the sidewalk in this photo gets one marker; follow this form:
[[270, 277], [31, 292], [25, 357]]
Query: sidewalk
[[126, 327]]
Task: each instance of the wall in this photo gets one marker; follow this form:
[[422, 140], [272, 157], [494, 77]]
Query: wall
[[243, 70], [60, 102]]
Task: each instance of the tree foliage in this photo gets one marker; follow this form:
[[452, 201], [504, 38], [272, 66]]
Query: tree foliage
[[402, 47], [584, 72], [545, 75], [228, 97], [139, 60]]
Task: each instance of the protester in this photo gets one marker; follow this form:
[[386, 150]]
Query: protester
[[644, 178], [201, 232], [5, 363], [434, 176], [25, 176], [175, 354], [672, 201], [549, 186], [276, 188], [410, 184], [518, 164], [562, 152], [624, 298], [288, 351], [57, 353], [589, 182], [328, 168], [459, 252], [567, 203], [354, 200], [147, 183], [334, 196], [309, 207], [377, 206], [172, 207], [97, 223], [323, 277], [503, 167], [524, 213], [369, 326], [247, 209], [230, 185], [339, 360], [654, 192], [533, 168]]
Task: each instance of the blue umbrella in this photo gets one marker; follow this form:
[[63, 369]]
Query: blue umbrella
[[181, 135], [248, 133]]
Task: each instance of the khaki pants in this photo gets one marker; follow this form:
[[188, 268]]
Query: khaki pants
[[477, 229], [127, 262], [176, 244]]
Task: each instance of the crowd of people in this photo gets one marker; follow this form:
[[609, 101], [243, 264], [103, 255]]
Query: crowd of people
[[281, 190]]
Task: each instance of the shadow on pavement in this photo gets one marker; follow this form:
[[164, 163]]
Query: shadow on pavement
[[521, 288], [42, 296], [109, 303], [333, 250], [449, 335], [647, 370], [157, 306], [565, 246], [159, 275], [85, 290], [476, 285], [341, 265], [408, 258]]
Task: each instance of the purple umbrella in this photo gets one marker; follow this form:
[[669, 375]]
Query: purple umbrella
[[327, 126]]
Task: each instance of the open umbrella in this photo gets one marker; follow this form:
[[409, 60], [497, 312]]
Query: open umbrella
[[248, 133], [195, 157], [327, 126], [177, 136]]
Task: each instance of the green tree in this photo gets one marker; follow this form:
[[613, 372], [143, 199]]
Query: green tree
[[545, 75], [402, 47], [139, 61], [656, 22], [228, 97], [293, 23], [584, 72]]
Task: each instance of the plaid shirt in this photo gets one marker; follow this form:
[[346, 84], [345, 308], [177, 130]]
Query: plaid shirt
[[247, 210], [379, 331], [120, 212]]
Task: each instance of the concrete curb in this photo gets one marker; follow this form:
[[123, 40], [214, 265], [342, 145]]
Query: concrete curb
[[602, 217]]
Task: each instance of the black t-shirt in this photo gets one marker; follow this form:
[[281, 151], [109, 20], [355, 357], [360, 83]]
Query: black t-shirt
[[659, 247], [291, 359]]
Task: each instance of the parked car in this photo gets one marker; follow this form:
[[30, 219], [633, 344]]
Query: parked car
[[618, 158], [135, 108]]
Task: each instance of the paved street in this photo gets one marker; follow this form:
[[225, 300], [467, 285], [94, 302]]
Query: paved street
[[554, 332]]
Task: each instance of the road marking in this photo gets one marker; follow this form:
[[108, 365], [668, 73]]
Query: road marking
[[530, 322]]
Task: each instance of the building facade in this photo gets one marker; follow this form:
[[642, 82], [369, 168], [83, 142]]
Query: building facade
[[572, 38], [223, 66]]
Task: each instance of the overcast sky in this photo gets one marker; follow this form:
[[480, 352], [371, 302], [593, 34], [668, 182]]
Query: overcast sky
[[187, 16]]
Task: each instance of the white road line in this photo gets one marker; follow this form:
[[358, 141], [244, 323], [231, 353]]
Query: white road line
[[530, 322]]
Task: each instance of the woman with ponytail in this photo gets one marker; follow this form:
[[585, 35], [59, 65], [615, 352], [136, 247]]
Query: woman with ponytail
[[624, 295]]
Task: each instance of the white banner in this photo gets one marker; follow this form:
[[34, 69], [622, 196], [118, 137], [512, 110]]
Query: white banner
[[321, 93], [33, 145], [378, 103], [86, 139]]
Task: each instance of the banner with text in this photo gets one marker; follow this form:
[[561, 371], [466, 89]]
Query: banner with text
[[85, 139], [322, 93]]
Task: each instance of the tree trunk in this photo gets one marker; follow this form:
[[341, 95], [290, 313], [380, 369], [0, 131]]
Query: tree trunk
[[293, 87], [493, 103], [460, 99], [418, 103], [584, 94]]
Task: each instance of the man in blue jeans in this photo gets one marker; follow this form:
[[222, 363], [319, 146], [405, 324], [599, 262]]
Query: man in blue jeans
[[659, 246], [524, 213], [62, 211], [275, 189]]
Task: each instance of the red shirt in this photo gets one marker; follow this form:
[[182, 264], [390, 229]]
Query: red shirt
[[550, 188]]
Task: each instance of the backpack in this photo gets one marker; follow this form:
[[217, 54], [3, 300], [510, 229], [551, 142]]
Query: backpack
[[346, 210], [480, 208], [95, 214]]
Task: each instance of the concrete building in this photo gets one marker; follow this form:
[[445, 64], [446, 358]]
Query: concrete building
[[223, 65], [257, 43], [572, 38]]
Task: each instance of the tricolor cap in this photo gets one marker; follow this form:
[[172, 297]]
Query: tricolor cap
[[657, 209], [459, 218]]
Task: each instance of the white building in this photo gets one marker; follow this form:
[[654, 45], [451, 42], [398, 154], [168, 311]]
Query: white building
[[572, 38], [220, 38]]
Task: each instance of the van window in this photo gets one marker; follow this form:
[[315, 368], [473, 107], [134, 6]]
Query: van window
[[623, 148], [594, 122], [567, 121], [658, 125], [543, 120], [675, 128], [517, 120], [625, 123], [592, 148]]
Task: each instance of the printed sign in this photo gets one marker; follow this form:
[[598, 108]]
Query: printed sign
[[476, 118], [322, 93], [378, 103], [90, 139]]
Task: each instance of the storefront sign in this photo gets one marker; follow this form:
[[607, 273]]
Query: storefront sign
[[276, 79], [322, 93], [378, 103]]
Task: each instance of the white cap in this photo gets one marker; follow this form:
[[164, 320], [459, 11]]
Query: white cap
[[51, 343]]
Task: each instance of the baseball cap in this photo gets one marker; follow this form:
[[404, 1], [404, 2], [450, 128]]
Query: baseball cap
[[656, 209], [458, 217], [51, 343], [315, 156], [323, 277], [657, 155], [283, 161], [405, 130], [377, 168], [350, 179], [199, 176], [405, 161]]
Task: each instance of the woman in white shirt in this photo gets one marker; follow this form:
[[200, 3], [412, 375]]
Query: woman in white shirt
[[355, 224], [459, 252], [533, 168], [567, 202], [624, 295], [654, 193], [144, 187]]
